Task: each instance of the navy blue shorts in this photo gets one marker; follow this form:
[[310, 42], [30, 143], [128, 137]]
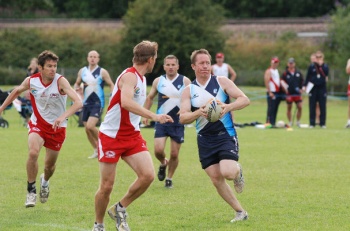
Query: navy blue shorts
[[91, 110], [213, 149], [176, 133]]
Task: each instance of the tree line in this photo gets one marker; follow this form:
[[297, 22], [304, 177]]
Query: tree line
[[98, 9]]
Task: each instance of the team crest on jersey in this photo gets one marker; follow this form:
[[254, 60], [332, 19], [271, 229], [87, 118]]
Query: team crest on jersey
[[215, 91], [54, 95], [110, 154], [297, 75], [178, 86], [195, 96], [137, 91], [33, 91]]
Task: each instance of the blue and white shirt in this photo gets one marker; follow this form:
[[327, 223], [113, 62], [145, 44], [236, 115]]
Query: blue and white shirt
[[200, 95], [169, 97], [93, 86]]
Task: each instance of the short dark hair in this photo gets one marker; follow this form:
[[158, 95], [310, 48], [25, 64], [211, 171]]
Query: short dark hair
[[46, 55]]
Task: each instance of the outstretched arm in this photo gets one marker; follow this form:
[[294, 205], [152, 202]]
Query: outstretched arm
[[149, 100], [14, 94], [65, 88], [127, 84]]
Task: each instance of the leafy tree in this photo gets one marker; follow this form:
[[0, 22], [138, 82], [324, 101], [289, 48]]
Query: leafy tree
[[277, 8], [179, 27], [339, 33]]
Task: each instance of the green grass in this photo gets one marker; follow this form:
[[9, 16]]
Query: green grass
[[295, 180]]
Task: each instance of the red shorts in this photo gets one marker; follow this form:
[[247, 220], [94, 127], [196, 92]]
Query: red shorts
[[348, 89], [52, 139], [111, 149], [294, 98]]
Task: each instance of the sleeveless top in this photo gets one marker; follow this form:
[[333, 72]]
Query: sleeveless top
[[169, 97], [93, 86], [200, 95], [47, 101], [118, 122], [221, 71]]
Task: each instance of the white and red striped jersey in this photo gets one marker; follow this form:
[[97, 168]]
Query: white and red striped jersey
[[275, 82], [118, 122], [47, 101]]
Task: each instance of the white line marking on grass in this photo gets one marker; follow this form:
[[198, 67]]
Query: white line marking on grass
[[60, 226]]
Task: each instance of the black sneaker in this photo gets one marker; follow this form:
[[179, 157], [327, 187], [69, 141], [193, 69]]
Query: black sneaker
[[168, 183], [161, 172]]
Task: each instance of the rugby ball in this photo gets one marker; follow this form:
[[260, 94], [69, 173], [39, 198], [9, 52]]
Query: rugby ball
[[213, 110]]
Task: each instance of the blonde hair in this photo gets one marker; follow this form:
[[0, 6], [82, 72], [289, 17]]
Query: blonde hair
[[143, 51], [197, 52]]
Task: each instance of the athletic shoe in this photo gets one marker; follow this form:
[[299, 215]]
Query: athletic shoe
[[44, 191], [98, 227], [161, 172], [323, 126], [31, 200], [311, 126], [119, 217], [347, 126], [94, 155], [168, 183], [239, 181], [240, 216]]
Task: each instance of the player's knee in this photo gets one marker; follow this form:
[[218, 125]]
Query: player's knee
[[230, 174], [147, 177], [33, 153]]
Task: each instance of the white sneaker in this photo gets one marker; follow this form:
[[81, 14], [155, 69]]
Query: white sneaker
[[239, 181], [240, 216], [94, 155], [44, 191], [98, 227], [120, 217], [31, 200]]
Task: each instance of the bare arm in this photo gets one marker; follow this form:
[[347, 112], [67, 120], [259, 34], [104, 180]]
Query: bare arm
[[78, 81], [267, 77], [106, 77], [65, 88], [233, 74], [233, 91], [15, 93], [186, 115], [348, 67], [127, 84], [149, 100]]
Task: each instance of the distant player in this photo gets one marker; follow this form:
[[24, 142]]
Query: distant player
[[169, 88], [217, 142], [47, 125], [220, 68], [294, 82], [94, 78]]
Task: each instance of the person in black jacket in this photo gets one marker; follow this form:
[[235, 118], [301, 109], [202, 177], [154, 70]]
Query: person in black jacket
[[292, 82], [316, 86]]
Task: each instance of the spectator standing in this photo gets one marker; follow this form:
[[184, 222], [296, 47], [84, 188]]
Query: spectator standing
[[273, 90], [348, 93], [292, 82], [316, 86]]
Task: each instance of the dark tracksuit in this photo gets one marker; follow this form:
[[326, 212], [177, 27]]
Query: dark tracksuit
[[317, 75]]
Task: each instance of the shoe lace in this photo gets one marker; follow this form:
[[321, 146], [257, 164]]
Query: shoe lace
[[31, 197], [123, 217]]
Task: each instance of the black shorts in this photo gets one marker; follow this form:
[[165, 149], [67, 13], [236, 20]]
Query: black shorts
[[213, 149], [176, 133], [91, 110]]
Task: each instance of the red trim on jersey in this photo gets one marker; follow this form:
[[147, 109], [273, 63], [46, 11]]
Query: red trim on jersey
[[273, 82], [43, 123], [58, 85]]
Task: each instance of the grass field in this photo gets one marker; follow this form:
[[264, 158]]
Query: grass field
[[295, 180]]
